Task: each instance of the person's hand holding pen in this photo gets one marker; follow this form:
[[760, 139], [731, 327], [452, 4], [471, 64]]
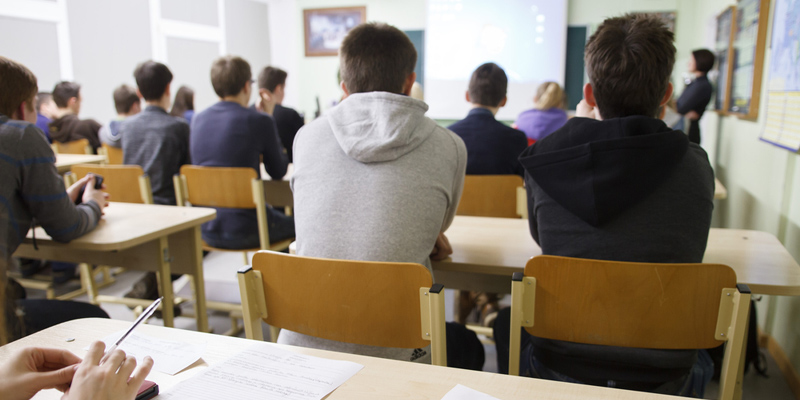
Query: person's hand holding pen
[[33, 369], [112, 379]]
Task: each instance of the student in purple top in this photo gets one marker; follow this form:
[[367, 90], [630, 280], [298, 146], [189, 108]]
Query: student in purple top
[[45, 111], [547, 114]]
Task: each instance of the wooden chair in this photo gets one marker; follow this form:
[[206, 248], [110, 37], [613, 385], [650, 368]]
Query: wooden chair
[[640, 305], [125, 183], [491, 196], [369, 303], [80, 146], [227, 188], [113, 154]]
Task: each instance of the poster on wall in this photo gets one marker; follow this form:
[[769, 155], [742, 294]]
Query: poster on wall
[[325, 28], [783, 90]]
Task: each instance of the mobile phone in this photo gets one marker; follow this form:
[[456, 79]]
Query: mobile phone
[[98, 184], [148, 390]]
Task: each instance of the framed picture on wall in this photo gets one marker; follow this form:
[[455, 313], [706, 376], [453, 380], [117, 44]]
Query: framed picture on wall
[[325, 28]]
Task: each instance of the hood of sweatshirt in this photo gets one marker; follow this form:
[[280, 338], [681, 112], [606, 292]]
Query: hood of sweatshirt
[[61, 128], [598, 169], [380, 126]]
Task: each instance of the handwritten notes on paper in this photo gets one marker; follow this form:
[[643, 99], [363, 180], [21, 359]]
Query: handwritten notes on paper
[[265, 371], [461, 392], [169, 356]]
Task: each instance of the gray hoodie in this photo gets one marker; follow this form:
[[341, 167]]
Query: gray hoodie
[[374, 180]]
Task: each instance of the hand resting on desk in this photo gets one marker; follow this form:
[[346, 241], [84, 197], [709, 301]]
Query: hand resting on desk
[[34, 369], [442, 248]]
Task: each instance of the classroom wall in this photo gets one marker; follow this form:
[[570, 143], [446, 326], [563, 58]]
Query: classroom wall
[[98, 43], [763, 183]]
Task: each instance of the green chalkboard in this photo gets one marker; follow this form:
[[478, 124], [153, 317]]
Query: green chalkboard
[[418, 38], [573, 76]]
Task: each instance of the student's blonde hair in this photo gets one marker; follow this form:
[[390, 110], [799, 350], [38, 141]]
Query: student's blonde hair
[[550, 95]]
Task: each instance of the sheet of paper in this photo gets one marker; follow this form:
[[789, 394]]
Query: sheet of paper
[[169, 356], [461, 392], [265, 372]]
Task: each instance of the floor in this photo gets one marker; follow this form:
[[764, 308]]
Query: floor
[[220, 272]]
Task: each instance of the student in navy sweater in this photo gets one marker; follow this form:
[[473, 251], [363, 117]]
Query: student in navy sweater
[[228, 134], [492, 147]]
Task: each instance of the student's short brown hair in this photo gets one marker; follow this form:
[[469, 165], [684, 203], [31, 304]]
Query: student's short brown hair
[[229, 75], [64, 91], [376, 57], [152, 78], [124, 98], [488, 85], [271, 77], [19, 85], [703, 60], [629, 61]]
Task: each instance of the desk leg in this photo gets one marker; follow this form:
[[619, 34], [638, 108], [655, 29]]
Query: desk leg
[[165, 282], [199, 283]]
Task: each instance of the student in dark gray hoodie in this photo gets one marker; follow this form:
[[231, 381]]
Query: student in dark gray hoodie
[[616, 183]]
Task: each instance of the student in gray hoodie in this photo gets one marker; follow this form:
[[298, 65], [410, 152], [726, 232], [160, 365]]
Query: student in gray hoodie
[[374, 179]]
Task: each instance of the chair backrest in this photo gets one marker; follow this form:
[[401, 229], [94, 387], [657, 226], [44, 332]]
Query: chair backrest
[[125, 183], [80, 146], [370, 303], [626, 304], [645, 305], [490, 196], [113, 154], [224, 187]]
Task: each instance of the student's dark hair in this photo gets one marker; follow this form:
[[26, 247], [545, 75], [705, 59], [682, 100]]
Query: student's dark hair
[[42, 98], [271, 77], [18, 83], [64, 91], [629, 61], [703, 60], [229, 75], [124, 98], [184, 100], [488, 85], [376, 57], [152, 78]]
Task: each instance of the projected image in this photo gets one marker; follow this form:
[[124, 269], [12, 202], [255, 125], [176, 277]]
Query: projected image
[[525, 37]]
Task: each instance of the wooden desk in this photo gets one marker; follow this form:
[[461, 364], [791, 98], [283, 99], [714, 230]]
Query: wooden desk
[[64, 162], [486, 251], [379, 379], [147, 237], [720, 192]]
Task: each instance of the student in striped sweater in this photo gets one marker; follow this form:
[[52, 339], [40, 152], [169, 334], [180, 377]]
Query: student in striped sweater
[[32, 190]]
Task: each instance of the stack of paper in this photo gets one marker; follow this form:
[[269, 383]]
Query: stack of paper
[[265, 371], [169, 356]]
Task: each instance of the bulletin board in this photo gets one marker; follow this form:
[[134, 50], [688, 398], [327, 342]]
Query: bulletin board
[[749, 42], [723, 48], [782, 127]]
